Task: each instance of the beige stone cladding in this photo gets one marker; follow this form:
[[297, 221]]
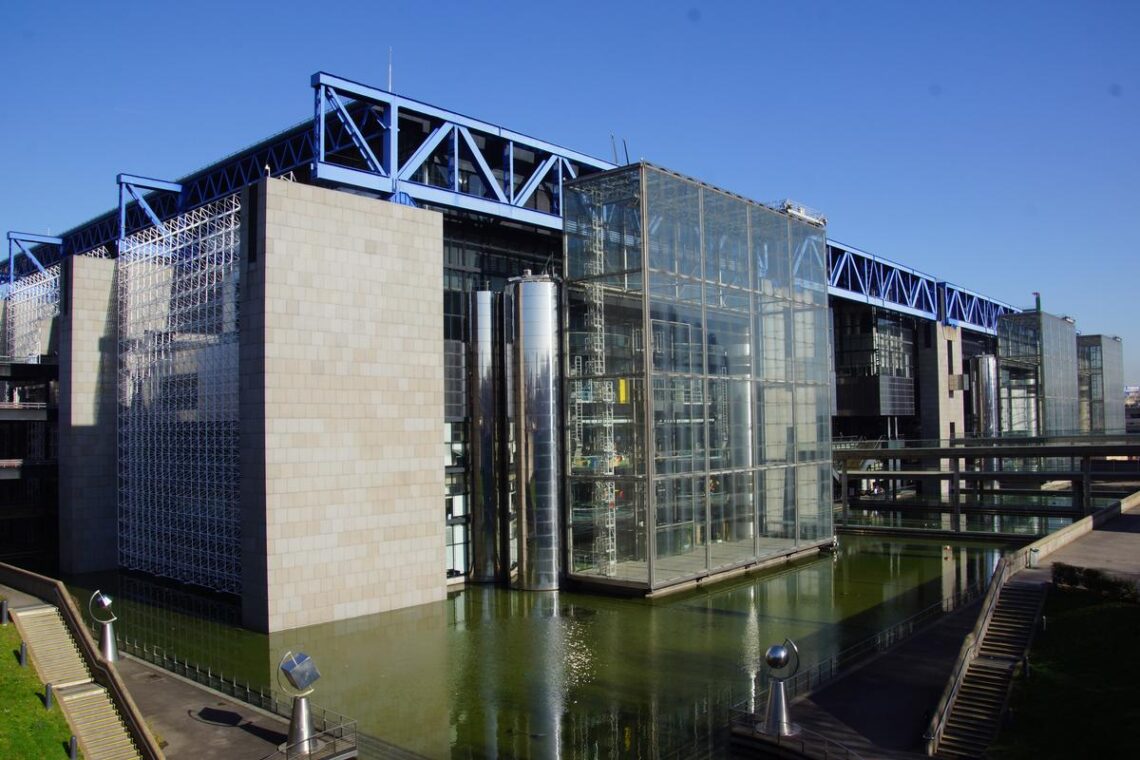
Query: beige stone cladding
[[88, 366], [342, 407]]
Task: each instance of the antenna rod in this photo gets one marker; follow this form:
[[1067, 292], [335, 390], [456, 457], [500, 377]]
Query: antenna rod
[[389, 68], [625, 144], [613, 145]]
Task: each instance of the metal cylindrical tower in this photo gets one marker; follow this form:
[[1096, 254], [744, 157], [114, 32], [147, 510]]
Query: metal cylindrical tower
[[485, 414], [984, 384], [533, 365]]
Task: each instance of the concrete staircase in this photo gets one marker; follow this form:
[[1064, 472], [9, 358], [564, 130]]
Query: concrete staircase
[[86, 705], [976, 713]]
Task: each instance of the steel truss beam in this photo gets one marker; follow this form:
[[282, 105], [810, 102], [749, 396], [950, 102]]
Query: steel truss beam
[[860, 276], [22, 243], [967, 309], [133, 186], [447, 159]]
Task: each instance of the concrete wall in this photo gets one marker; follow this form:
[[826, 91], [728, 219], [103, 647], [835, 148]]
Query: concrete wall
[[88, 480], [341, 406], [939, 406]]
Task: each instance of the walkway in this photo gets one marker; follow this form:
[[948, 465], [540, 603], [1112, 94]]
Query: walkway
[[193, 722], [883, 708]]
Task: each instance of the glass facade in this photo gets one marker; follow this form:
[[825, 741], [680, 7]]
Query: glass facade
[[1038, 365], [1100, 360], [698, 379]]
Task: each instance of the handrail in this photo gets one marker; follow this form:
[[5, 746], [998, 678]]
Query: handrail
[[966, 655], [832, 667], [331, 743], [1006, 567], [216, 680], [104, 673], [819, 743]]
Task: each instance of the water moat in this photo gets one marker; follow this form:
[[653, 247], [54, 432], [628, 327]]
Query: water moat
[[496, 673]]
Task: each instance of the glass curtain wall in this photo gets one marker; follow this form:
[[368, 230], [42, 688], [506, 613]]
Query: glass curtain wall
[[698, 390], [1060, 397], [1101, 384]]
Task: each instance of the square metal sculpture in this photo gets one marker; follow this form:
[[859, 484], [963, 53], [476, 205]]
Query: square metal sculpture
[[300, 670]]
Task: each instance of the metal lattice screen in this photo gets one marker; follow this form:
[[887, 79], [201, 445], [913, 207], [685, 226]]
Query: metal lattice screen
[[33, 303], [178, 398]]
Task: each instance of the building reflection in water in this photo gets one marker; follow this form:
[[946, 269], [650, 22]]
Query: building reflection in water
[[491, 672]]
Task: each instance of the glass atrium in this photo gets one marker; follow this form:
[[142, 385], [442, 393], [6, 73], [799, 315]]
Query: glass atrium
[[697, 391]]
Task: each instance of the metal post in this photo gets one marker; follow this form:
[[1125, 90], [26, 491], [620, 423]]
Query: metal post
[[73, 748], [843, 487], [955, 492], [1086, 485], [3, 612], [23, 654], [48, 696], [107, 646], [301, 726]]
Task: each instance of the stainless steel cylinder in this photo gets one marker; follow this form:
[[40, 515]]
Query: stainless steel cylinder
[[984, 385], [535, 387], [481, 386]]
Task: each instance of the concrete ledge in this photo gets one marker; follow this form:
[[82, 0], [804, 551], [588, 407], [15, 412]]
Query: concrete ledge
[[767, 563], [1070, 533]]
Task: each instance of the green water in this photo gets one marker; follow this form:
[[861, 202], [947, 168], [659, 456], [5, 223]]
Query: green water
[[497, 673]]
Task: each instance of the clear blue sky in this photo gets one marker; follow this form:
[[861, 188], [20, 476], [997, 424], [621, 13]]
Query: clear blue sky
[[995, 145]]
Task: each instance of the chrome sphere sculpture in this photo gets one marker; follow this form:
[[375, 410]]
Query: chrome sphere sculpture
[[784, 660], [106, 619], [301, 673], [777, 656]]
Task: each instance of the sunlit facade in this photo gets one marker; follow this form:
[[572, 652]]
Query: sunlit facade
[[697, 380]]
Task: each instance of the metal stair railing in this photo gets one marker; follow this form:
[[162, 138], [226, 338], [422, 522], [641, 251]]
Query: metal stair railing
[[102, 672], [969, 651]]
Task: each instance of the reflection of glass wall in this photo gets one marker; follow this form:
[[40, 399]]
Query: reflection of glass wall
[[698, 390]]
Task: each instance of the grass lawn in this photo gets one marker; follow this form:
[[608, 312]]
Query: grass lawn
[[1080, 699], [27, 730]]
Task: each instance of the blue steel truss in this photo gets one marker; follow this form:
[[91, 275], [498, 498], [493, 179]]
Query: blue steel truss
[[132, 186], [860, 276], [967, 309], [32, 247], [375, 140], [407, 151]]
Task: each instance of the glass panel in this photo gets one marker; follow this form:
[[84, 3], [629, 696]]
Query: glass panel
[[771, 261], [730, 424], [813, 423], [609, 543], [729, 344], [602, 225], [773, 340], [774, 431], [775, 489], [731, 519], [809, 249], [673, 205], [679, 412], [677, 337], [813, 501], [681, 529]]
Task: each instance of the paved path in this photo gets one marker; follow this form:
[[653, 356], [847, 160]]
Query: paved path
[[194, 722], [197, 723], [882, 709]]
